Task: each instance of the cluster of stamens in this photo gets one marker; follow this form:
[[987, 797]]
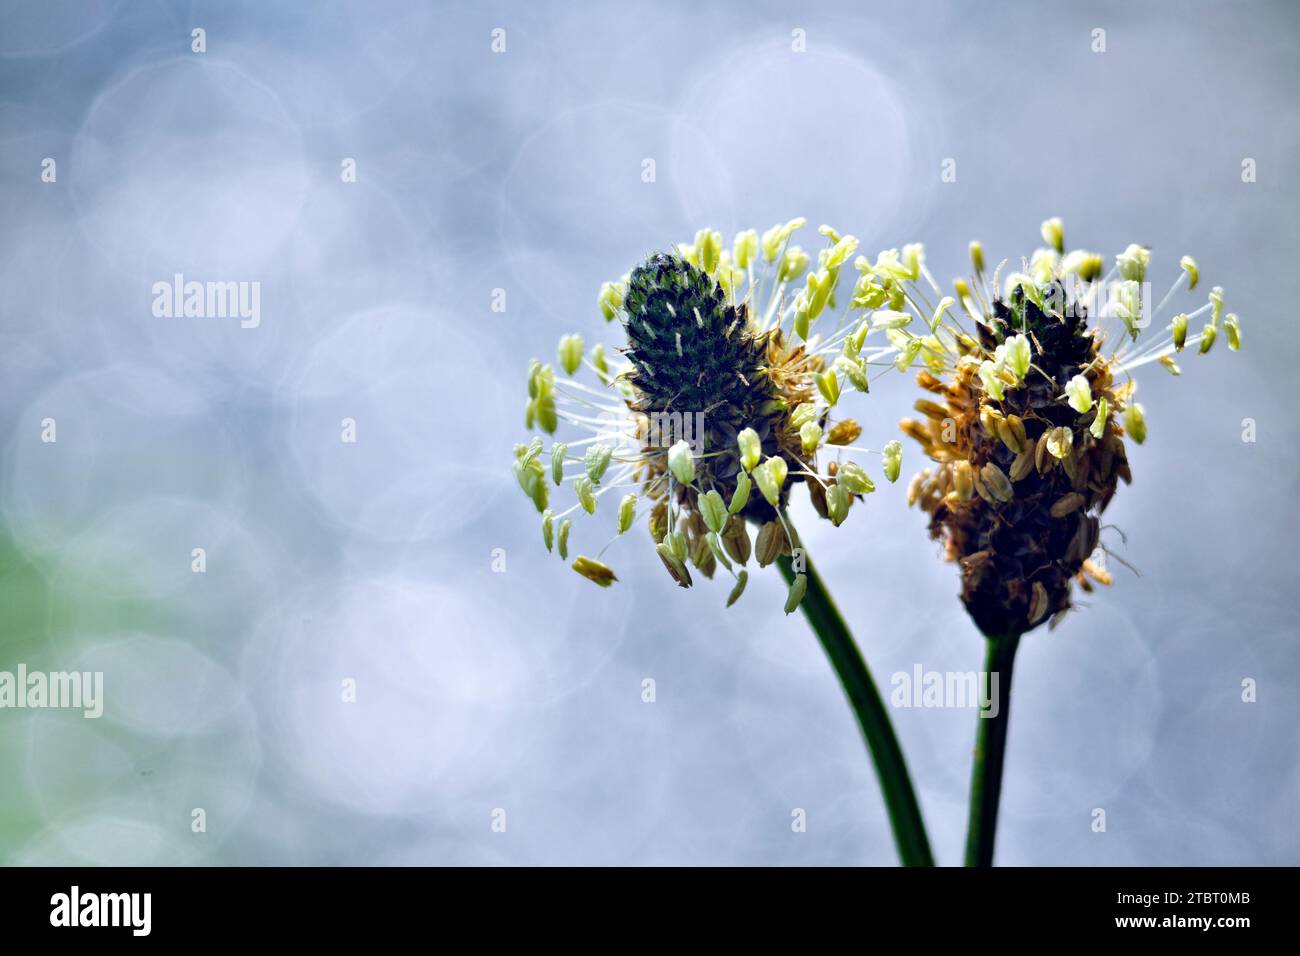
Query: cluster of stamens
[[722, 400], [1030, 413]]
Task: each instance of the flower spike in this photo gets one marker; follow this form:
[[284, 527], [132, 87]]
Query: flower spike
[[720, 401], [1035, 404]]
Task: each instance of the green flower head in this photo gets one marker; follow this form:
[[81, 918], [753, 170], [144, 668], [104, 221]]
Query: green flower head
[[720, 402]]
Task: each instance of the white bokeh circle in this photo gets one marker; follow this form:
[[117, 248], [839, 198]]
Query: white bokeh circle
[[576, 185], [821, 133], [188, 165], [415, 387]]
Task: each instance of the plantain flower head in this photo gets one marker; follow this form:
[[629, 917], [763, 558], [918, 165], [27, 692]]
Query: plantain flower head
[[1032, 403], [719, 401]]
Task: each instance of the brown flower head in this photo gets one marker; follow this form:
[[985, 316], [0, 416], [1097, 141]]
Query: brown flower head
[[1029, 414]]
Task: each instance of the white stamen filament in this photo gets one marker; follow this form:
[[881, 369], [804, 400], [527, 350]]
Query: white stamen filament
[[1182, 278]]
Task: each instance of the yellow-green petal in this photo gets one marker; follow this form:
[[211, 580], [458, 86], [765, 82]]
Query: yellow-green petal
[[594, 571], [740, 497], [571, 349], [741, 580], [586, 497], [1135, 422], [626, 512], [713, 510], [798, 588], [751, 449]]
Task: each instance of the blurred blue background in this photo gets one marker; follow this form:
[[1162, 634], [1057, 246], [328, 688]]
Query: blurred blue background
[[373, 561]]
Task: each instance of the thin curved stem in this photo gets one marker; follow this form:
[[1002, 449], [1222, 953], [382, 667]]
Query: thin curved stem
[[990, 754], [886, 754]]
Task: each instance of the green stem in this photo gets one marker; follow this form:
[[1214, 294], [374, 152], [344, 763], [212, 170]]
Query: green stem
[[990, 754], [886, 754]]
